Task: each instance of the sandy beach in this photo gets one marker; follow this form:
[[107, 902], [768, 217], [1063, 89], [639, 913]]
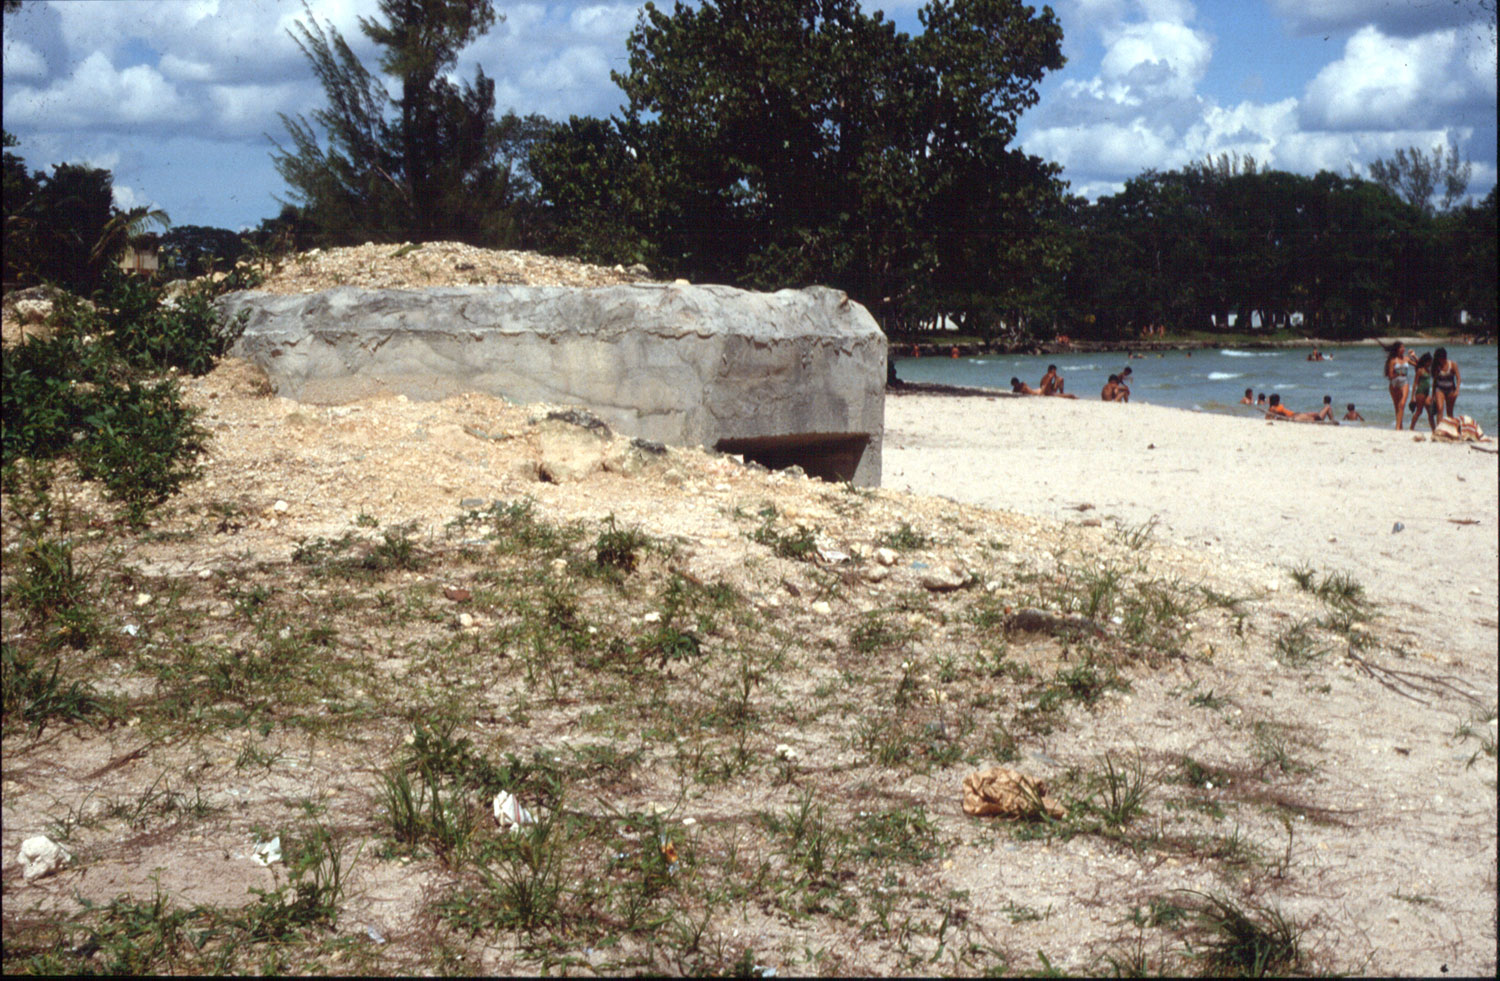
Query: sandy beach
[[1274, 494]]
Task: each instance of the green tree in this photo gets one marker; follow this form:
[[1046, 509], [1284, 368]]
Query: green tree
[[1415, 176], [774, 143], [424, 166]]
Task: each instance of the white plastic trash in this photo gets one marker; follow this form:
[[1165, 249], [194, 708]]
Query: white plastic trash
[[509, 813], [41, 856], [267, 852]]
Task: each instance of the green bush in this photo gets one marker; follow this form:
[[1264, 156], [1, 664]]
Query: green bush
[[93, 390]]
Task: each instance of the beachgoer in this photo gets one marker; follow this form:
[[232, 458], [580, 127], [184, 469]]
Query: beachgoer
[[1325, 414], [1421, 393], [1352, 416], [1445, 382], [1260, 399], [1249, 398], [1018, 387], [1052, 383], [1316, 355], [1396, 360], [1275, 410], [1111, 390]]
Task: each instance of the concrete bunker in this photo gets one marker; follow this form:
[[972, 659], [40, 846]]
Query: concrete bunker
[[792, 377]]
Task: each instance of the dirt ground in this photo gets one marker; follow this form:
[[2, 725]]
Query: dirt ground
[[747, 740]]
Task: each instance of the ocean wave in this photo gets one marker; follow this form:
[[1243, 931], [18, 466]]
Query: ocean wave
[[1481, 387], [1228, 353], [1330, 374], [1219, 376]]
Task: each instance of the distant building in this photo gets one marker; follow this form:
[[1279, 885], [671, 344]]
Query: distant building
[[140, 256]]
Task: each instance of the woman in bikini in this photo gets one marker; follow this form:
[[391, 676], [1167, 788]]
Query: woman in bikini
[[1421, 393], [1396, 361], [1445, 382]]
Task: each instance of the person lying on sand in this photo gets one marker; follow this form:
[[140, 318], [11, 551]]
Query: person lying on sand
[[1352, 416], [1275, 410], [1018, 387], [1052, 383], [1249, 398]]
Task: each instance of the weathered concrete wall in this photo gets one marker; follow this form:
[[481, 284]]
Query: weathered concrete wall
[[796, 376]]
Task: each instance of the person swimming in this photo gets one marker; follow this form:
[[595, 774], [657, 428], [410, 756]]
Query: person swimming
[[1316, 355], [1249, 398], [1260, 399], [1352, 416]]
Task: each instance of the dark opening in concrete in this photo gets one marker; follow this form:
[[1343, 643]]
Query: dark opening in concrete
[[829, 456]]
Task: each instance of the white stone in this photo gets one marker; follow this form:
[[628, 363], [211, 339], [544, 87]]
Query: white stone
[[41, 856], [281, 507], [821, 608], [886, 556]]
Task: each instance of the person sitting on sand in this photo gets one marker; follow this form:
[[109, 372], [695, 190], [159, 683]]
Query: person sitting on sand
[[1125, 374], [1111, 390], [1018, 387], [1325, 414], [1352, 416], [1445, 382], [1249, 398], [1275, 410], [1052, 382]]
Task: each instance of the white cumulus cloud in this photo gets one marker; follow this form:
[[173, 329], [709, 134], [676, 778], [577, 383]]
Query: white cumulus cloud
[[1382, 81], [98, 94], [23, 61]]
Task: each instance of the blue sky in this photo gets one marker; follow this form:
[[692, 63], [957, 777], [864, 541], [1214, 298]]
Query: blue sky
[[180, 97]]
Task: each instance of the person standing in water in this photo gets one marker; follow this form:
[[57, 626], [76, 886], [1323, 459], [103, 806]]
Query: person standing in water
[[1396, 361], [1421, 393]]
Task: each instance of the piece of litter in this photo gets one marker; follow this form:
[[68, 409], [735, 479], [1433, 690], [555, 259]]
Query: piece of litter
[[41, 856], [509, 813], [1397, 527], [131, 629], [374, 934], [267, 852]]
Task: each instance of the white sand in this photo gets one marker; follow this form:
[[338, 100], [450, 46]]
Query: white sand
[[1282, 494]]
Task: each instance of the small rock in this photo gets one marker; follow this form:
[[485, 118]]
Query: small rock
[[142, 599], [652, 617], [458, 595], [205, 573], [466, 620], [41, 856], [471, 503], [876, 573], [886, 556], [281, 507], [821, 608], [943, 579]]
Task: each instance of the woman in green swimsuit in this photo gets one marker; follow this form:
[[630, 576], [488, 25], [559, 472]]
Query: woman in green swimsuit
[[1421, 393]]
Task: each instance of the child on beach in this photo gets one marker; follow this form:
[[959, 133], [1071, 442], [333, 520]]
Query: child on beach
[[1325, 414], [1352, 416], [1421, 393]]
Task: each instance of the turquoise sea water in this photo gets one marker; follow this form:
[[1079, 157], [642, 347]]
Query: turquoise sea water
[[1215, 380]]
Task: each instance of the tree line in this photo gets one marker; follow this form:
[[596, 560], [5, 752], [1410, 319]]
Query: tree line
[[782, 143]]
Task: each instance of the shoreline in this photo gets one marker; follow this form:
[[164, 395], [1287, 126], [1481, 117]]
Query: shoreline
[[1273, 495], [938, 348]]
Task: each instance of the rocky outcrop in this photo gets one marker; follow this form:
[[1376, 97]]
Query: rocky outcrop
[[793, 377]]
